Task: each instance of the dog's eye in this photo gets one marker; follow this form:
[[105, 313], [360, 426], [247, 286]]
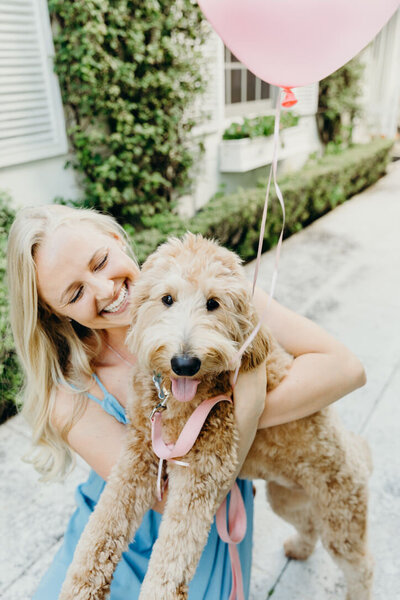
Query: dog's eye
[[212, 304], [167, 300]]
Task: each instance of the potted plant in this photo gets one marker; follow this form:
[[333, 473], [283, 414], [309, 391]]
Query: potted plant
[[249, 144]]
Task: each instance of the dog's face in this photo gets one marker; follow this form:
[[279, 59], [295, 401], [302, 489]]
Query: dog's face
[[192, 311]]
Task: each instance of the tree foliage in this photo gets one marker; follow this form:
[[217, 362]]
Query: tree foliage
[[10, 371], [128, 72], [339, 103]]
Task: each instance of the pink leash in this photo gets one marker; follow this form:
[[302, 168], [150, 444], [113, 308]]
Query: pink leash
[[237, 529], [237, 512]]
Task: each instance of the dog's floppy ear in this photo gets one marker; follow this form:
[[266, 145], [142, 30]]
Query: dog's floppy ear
[[257, 351]]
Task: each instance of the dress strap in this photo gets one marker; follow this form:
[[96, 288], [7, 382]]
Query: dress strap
[[101, 386], [109, 403], [97, 400]]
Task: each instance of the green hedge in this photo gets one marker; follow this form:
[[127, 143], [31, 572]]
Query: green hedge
[[235, 219], [10, 372]]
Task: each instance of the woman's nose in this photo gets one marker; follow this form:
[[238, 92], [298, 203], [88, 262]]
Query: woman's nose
[[103, 288]]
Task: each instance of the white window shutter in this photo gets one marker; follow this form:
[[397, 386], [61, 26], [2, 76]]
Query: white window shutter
[[31, 115]]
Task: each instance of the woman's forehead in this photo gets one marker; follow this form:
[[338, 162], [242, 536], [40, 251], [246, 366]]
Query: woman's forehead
[[70, 238], [63, 254]]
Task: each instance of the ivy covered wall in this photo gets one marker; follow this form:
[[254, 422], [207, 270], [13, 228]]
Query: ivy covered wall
[[128, 70]]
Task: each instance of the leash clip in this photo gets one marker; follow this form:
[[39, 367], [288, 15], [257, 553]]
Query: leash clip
[[159, 408], [162, 395]]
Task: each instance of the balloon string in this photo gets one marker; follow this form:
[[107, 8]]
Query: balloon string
[[272, 172]]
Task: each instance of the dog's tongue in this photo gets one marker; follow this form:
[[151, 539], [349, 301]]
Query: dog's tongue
[[184, 389]]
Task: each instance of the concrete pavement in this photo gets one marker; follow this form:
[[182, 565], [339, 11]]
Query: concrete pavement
[[343, 272]]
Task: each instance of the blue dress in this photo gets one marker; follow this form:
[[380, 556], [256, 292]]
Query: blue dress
[[212, 580]]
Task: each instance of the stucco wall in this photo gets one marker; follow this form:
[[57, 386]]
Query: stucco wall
[[39, 182]]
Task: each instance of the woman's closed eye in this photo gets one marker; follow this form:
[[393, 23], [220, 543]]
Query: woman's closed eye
[[77, 295], [98, 267], [102, 263]]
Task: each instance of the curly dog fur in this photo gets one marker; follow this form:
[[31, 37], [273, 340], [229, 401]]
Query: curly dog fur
[[316, 471]]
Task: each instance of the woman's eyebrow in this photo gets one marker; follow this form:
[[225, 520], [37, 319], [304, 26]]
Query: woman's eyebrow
[[72, 285]]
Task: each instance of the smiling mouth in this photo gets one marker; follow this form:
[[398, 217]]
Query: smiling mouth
[[119, 302]]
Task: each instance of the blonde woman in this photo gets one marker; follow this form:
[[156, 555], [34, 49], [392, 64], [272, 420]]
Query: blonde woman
[[71, 275]]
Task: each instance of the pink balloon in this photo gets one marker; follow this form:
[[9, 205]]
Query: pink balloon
[[291, 43]]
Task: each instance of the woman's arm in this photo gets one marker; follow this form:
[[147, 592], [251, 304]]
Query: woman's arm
[[96, 436], [249, 402], [323, 370]]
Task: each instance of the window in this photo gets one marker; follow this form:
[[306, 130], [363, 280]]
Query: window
[[31, 116], [244, 92]]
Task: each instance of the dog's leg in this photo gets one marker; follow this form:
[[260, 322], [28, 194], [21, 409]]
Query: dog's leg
[[183, 533], [294, 506], [344, 535], [128, 494], [194, 494]]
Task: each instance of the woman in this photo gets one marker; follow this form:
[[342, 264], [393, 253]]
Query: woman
[[71, 276]]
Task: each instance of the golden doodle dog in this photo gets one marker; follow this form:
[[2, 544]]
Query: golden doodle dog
[[191, 312]]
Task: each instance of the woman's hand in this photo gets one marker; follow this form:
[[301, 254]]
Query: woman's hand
[[249, 394], [249, 403]]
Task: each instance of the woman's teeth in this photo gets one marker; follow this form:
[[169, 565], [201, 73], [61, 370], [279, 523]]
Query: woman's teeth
[[116, 305]]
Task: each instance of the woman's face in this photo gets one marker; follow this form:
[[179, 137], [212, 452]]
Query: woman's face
[[85, 275]]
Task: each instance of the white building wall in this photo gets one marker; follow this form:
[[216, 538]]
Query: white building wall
[[33, 140], [381, 84], [207, 176], [39, 182], [209, 112]]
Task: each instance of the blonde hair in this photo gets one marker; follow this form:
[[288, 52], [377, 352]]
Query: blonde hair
[[53, 350]]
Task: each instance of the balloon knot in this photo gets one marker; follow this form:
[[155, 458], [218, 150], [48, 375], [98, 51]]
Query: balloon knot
[[289, 99]]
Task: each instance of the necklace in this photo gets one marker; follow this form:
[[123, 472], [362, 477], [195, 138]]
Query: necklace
[[119, 355]]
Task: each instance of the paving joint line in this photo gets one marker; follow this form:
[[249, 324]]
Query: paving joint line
[[379, 397], [272, 589], [29, 567]]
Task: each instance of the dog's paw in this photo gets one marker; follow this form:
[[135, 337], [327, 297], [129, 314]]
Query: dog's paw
[[298, 548], [163, 592], [84, 589]]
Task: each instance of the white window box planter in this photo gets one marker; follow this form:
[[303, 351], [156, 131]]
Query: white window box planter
[[246, 154]]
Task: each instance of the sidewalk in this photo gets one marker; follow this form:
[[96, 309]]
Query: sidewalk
[[344, 273]]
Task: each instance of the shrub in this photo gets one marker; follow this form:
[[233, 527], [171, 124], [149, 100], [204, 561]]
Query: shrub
[[319, 187], [10, 372], [308, 194], [128, 70]]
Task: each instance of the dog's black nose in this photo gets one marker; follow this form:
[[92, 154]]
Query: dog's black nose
[[185, 365]]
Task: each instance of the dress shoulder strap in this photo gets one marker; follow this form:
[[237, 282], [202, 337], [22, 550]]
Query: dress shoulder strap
[[101, 386], [109, 403]]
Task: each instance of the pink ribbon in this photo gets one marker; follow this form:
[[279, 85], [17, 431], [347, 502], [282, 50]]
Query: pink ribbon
[[237, 529], [272, 171]]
